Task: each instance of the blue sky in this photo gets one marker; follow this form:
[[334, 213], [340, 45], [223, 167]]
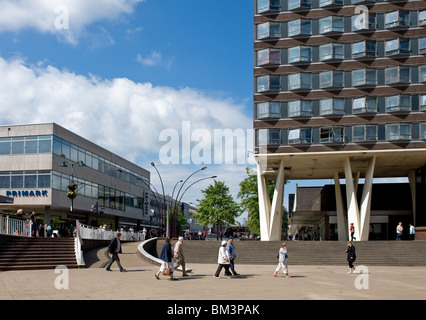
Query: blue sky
[[121, 72]]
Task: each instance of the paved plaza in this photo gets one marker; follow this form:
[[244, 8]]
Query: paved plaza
[[256, 282]]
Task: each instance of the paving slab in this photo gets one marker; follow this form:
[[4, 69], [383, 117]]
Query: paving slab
[[256, 282]]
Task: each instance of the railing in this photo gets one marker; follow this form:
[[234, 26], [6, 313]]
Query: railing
[[15, 227], [88, 232]]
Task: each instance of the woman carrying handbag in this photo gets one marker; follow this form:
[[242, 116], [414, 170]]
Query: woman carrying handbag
[[166, 255]]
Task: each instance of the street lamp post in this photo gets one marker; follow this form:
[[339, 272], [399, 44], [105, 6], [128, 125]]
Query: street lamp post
[[72, 187]]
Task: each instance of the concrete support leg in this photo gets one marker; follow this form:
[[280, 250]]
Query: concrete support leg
[[277, 206], [342, 225], [366, 201], [264, 203], [412, 181], [352, 203]]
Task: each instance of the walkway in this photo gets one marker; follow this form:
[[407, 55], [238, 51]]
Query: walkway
[[255, 283]]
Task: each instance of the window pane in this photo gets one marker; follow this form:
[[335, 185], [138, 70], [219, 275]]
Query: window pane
[[44, 181], [17, 147], [5, 147], [30, 181], [31, 146], [17, 181], [45, 146]]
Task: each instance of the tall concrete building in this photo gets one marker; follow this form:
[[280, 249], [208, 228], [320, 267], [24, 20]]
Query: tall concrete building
[[339, 93]]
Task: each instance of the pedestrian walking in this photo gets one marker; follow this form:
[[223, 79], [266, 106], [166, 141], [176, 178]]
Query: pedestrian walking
[[352, 230], [232, 255], [399, 230], [282, 261], [167, 266], [114, 249], [223, 260], [179, 257], [33, 218], [412, 232], [351, 257]]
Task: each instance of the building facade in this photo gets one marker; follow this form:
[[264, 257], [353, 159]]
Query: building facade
[[339, 93], [38, 164]]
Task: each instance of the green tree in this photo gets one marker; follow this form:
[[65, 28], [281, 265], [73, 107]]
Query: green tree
[[217, 207], [250, 200]]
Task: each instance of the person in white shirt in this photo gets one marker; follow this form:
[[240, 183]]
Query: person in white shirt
[[412, 232], [282, 261], [223, 260]]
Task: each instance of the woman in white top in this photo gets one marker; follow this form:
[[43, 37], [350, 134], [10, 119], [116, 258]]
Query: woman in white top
[[223, 260], [282, 261]]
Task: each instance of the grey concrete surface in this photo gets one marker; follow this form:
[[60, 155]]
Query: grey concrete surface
[[256, 282]]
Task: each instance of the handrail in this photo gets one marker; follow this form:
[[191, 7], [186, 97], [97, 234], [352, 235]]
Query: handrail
[[15, 227], [88, 232]]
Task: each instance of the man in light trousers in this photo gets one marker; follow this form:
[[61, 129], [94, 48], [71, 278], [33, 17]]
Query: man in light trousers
[[179, 257]]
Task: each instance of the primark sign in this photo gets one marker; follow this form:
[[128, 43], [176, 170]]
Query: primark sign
[[26, 193]]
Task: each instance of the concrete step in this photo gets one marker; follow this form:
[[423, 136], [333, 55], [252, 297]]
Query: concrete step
[[21, 253], [408, 253]]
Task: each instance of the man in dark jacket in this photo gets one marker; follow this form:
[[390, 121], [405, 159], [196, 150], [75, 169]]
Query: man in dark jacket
[[114, 249]]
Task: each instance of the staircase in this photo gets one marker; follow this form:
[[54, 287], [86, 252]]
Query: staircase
[[390, 253], [23, 253]]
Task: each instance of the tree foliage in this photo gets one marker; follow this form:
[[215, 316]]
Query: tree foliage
[[217, 207]]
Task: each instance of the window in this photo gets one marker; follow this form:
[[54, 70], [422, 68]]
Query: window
[[397, 46], [364, 133], [399, 102], [422, 45], [298, 81], [331, 79], [297, 4], [331, 24], [364, 21], [274, 136], [268, 83], [299, 108], [398, 131], [326, 3], [332, 51], [364, 77], [268, 136], [299, 27], [299, 54], [268, 57], [268, 30], [296, 136], [268, 5], [362, 1], [268, 110], [5, 145], [422, 73], [364, 105], [364, 49], [398, 18], [395, 75], [423, 131], [423, 102], [422, 18], [332, 107], [332, 134]]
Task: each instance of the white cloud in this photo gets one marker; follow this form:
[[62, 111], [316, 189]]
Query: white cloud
[[120, 115], [155, 59], [151, 60], [68, 19]]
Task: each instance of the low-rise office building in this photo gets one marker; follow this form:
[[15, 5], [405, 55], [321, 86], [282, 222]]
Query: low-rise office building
[[64, 177]]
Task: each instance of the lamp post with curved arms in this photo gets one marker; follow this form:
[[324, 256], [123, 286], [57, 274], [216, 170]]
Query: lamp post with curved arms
[[174, 202], [177, 201]]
